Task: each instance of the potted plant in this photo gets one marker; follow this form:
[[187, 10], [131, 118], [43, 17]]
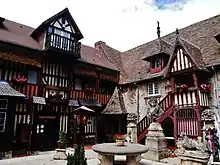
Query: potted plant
[[205, 88], [62, 143], [119, 139], [20, 80]]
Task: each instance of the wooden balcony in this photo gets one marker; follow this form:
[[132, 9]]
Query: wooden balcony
[[63, 44], [102, 98], [191, 98]]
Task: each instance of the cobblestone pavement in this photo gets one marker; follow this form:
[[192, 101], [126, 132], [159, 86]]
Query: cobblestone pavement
[[46, 158]]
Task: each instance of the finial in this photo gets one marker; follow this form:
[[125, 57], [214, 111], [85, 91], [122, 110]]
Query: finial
[[158, 29], [177, 33]]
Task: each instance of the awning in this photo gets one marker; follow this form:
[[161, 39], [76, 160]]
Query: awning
[[7, 90], [90, 103], [73, 103], [83, 108], [39, 100]]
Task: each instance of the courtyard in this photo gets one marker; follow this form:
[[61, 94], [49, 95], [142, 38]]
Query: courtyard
[[46, 158]]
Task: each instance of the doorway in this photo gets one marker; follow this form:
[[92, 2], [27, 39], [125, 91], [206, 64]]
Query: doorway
[[47, 133], [168, 130]]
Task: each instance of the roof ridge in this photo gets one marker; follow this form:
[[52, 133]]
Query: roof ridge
[[193, 24]]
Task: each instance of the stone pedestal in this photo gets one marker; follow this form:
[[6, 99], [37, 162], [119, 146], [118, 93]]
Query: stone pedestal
[[194, 158], [106, 159], [60, 154], [156, 143], [132, 132]]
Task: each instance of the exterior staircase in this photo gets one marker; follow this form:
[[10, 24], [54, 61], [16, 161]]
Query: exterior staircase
[[167, 104]]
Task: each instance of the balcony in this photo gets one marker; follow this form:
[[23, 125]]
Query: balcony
[[101, 98], [62, 44], [191, 98]]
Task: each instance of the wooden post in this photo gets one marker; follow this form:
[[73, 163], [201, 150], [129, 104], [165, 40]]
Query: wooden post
[[195, 80], [31, 124], [172, 84], [175, 124]]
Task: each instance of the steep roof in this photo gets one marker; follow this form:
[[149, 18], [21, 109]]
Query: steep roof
[[198, 38], [19, 34], [160, 46], [115, 104]]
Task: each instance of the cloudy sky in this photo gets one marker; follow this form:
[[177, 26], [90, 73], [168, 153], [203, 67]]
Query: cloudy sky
[[122, 24]]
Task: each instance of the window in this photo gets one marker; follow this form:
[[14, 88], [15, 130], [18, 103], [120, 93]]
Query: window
[[32, 77], [2, 121], [156, 63], [153, 89], [78, 84], [3, 103]]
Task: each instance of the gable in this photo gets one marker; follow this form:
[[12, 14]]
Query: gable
[[63, 23], [62, 20], [180, 61]]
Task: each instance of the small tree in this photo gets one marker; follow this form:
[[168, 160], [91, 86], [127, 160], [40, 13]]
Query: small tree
[[78, 158]]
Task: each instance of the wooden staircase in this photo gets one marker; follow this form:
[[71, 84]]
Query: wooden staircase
[[167, 104]]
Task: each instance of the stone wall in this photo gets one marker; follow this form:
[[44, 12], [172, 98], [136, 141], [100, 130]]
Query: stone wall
[[130, 97]]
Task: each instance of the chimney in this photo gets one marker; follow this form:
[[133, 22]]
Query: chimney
[[98, 44], [2, 20]]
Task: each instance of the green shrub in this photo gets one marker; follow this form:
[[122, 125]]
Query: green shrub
[[63, 137], [78, 158]]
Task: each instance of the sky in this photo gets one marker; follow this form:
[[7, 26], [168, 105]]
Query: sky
[[121, 24]]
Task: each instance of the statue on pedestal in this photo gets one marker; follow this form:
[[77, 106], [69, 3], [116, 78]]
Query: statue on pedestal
[[155, 109]]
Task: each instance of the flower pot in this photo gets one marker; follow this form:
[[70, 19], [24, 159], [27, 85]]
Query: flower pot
[[61, 145], [120, 142]]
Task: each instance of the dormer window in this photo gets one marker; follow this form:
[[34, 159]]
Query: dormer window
[[156, 65]]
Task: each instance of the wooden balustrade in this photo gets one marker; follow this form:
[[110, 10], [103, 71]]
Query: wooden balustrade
[[143, 125], [102, 98], [190, 98], [166, 102], [187, 98], [203, 98]]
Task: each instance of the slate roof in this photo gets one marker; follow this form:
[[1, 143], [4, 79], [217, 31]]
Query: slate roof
[[20, 59], [197, 38], [7, 90], [19, 34], [160, 46]]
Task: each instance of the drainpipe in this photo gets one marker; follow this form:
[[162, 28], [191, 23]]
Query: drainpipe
[[216, 87], [216, 97], [138, 104]]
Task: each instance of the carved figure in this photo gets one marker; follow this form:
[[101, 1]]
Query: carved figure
[[208, 115], [187, 143], [155, 110]]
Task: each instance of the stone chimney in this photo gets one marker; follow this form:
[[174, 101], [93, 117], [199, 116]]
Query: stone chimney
[[98, 44]]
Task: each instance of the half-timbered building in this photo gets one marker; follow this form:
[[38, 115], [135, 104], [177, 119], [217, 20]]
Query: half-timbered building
[[55, 74], [179, 71]]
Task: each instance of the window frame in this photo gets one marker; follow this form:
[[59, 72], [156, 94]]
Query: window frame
[[32, 70], [153, 89], [6, 103], [4, 121]]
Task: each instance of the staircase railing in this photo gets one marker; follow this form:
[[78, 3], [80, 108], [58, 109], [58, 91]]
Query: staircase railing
[[165, 103], [143, 124]]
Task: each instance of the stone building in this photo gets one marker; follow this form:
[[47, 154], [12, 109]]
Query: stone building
[[180, 71]]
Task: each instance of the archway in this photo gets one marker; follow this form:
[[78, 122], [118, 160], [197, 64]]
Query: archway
[[168, 130]]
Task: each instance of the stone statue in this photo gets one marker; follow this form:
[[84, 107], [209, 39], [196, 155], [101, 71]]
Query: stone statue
[[208, 115], [155, 110], [185, 143]]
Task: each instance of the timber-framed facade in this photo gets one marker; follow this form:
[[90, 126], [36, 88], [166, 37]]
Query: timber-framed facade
[[53, 74]]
